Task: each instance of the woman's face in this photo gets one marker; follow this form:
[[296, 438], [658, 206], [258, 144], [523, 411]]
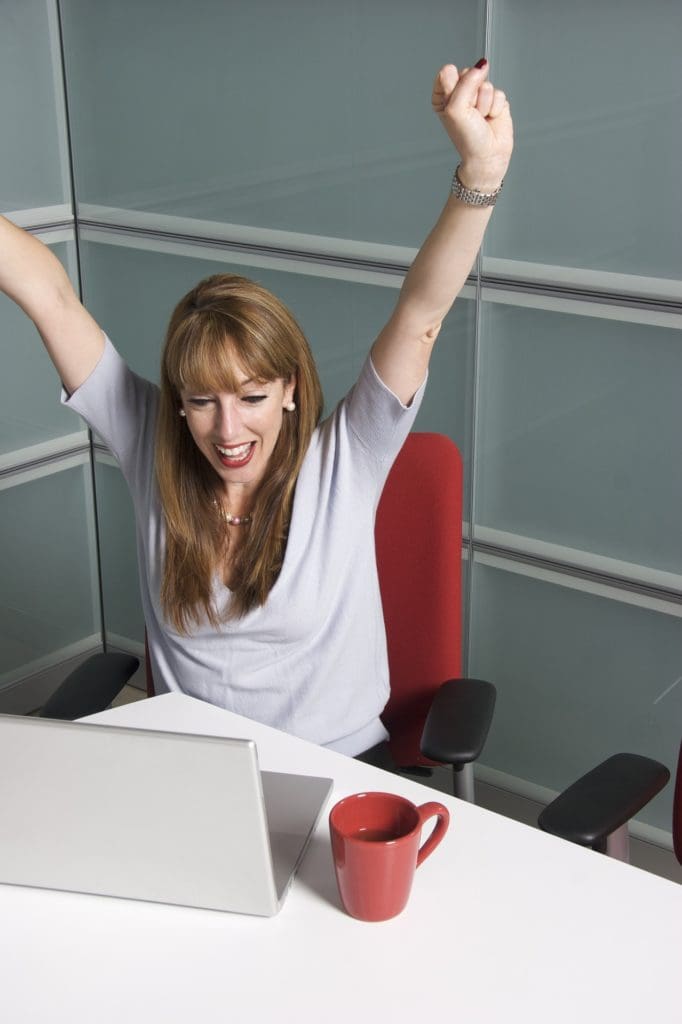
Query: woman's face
[[237, 431]]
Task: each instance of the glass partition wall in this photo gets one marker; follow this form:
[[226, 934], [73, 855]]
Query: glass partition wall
[[577, 572], [294, 143]]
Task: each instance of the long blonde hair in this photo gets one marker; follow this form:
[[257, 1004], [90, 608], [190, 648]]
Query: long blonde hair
[[224, 324]]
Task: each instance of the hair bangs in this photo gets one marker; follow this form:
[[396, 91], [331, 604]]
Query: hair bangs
[[217, 352]]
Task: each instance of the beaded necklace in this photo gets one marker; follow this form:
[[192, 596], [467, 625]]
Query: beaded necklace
[[228, 518]]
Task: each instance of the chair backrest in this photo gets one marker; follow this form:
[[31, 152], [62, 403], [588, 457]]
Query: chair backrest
[[419, 553]]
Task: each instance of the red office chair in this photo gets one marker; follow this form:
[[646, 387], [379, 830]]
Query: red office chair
[[596, 809], [432, 716]]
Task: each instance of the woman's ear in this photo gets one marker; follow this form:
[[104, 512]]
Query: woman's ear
[[289, 390]]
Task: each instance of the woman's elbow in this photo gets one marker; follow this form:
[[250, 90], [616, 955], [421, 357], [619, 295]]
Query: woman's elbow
[[428, 335]]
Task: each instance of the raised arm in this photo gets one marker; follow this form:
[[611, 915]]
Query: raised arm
[[477, 119], [32, 276]]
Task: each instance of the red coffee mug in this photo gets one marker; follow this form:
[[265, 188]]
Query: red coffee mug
[[375, 845]]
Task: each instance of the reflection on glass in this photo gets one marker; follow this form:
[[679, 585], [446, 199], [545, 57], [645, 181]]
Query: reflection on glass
[[579, 677]]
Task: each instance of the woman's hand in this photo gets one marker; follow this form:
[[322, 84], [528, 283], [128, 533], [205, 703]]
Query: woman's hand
[[477, 118]]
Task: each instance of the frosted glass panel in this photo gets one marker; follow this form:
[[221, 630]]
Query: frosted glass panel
[[30, 411], [29, 127], [579, 417], [595, 177], [312, 116], [579, 677], [132, 292], [47, 596], [122, 606]]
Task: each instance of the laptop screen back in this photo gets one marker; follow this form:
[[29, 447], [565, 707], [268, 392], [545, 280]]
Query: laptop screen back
[[136, 813]]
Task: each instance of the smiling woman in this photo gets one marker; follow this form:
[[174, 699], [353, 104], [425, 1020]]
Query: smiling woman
[[230, 442], [255, 520]]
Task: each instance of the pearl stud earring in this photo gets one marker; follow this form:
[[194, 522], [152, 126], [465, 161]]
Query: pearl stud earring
[[182, 412], [290, 406]]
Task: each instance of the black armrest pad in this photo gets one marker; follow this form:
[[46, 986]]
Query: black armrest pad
[[91, 687], [604, 799], [458, 721]]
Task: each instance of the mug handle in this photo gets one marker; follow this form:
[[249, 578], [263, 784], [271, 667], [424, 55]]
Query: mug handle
[[425, 812]]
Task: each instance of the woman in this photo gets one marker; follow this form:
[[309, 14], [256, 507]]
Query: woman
[[255, 524]]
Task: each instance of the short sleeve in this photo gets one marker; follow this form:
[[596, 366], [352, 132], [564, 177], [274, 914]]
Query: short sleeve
[[121, 408], [377, 418]]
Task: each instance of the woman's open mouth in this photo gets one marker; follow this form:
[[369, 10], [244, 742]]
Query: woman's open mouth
[[235, 456]]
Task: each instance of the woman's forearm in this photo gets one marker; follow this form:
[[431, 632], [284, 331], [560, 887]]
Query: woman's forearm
[[443, 264]]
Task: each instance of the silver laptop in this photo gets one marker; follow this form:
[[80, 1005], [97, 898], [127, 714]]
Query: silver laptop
[[149, 815]]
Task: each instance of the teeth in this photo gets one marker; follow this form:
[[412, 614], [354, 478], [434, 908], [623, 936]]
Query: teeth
[[240, 452]]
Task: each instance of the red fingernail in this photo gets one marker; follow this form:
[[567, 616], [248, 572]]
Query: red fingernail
[[482, 63]]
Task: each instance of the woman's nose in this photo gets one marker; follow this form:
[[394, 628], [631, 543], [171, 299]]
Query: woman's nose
[[228, 420]]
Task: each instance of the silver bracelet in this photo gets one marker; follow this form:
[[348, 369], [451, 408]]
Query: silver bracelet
[[472, 196]]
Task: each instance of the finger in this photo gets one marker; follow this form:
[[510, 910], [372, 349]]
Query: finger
[[484, 100], [498, 104], [445, 82], [470, 81], [459, 76], [443, 86]]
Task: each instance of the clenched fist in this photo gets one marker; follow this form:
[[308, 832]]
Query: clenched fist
[[478, 120]]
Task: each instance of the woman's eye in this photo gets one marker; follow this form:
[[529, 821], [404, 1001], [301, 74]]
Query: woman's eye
[[199, 403], [253, 399]]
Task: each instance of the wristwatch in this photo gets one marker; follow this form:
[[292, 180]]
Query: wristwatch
[[472, 196]]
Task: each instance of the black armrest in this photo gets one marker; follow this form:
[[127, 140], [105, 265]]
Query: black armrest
[[604, 799], [458, 721], [91, 687]]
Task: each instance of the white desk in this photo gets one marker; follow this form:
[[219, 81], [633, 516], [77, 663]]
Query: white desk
[[504, 924]]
